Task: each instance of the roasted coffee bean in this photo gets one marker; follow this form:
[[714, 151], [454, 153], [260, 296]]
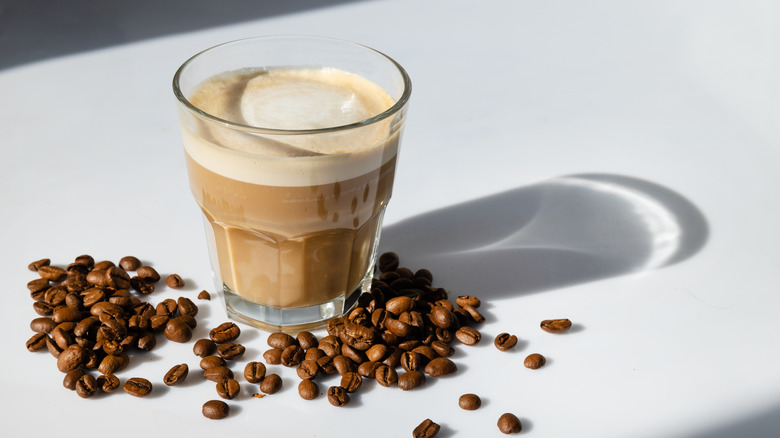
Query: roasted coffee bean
[[394, 358], [399, 305], [187, 307], [509, 423], [72, 357], [38, 263], [137, 387], [204, 295], [388, 262], [42, 325], [53, 348], [386, 376], [314, 354], [368, 369], [167, 307], [281, 340], [228, 388], [292, 356], [86, 386], [556, 325], [467, 300], [117, 278], [308, 389], [376, 353], [231, 351], [211, 362], [148, 273], [178, 331], [225, 332], [73, 301], [307, 340], [338, 396], [398, 328], [129, 263], [113, 330], [307, 369], [426, 429], [331, 345], [443, 349], [254, 372], [215, 374], [70, 379], [271, 384], [534, 361], [37, 342], [468, 335], [354, 354], [92, 296], [215, 409], [505, 341], [177, 374], [273, 356], [61, 337], [38, 285], [143, 286], [428, 352], [107, 309], [474, 313], [103, 265], [158, 322], [144, 309], [85, 260], [55, 295], [411, 380], [359, 316], [174, 281], [334, 325], [97, 277], [326, 364], [52, 273], [343, 364], [113, 363], [413, 361], [469, 402], [351, 381], [147, 341], [441, 366], [43, 308], [139, 323], [442, 317], [107, 382], [204, 347]]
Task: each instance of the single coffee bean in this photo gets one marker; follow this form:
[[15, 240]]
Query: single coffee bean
[[334, 325], [37, 342], [468, 335], [37, 264], [343, 364], [376, 353], [204, 295], [187, 307], [308, 389], [469, 402], [107, 382], [426, 429], [178, 331], [129, 263], [505, 341], [204, 347], [148, 273], [556, 325], [443, 349], [534, 361], [215, 409], [314, 354], [331, 345], [388, 262], [394, 358], [113, 363], [212, 362], [413, 361], [143, 286], [231, 351], [216, 374], [225, 332], [326, 364], [354, 354], [254, 372], [368, 369], [85, 260], [174, 281], [43, 308], [86, 386], [70, 379], [137, 387], [166, 307], [177, 374], [338, 396], [103, 265], [281, 340], [467, 300], [117, 278], [52, 273], [71, 358], [399, 305], [441, 366], [386, 376], [398, 328], [442, 317], [474, 314], [426, 351], [307, 369], [67, 314], [273, 356], [42, 325], [411, 380], [228, 388], [271, 384], [509, 423], [292, 356], [351, 381], [147, 341], [189, 320], [55, 295], [307, 340], [53, 348]]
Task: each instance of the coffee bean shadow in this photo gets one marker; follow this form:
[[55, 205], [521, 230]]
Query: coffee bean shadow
[[194, 377], [485, 402], [575, 328], [235, 409], [139, 357], [248, 336], [521, 345], [445, 431], [159, 389], [527, 424], [557, 233], [548, 362]]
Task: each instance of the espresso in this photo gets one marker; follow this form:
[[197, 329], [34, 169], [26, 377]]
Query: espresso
[[293, 218]]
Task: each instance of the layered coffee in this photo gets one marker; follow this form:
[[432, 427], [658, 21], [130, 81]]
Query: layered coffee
[[295, 215]]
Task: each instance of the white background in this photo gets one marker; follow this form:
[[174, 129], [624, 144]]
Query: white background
[[612, 162]]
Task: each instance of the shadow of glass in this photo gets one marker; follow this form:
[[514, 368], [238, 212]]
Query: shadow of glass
[[557, 233]]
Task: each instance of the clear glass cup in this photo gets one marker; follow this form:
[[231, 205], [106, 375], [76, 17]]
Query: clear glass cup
[[291, 147]]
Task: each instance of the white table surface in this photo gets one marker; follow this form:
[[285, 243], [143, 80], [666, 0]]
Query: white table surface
[[616, 163]]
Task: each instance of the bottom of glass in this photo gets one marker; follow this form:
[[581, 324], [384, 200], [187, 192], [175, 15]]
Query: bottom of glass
[[275, 319]]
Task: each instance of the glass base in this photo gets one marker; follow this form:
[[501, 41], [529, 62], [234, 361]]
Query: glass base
[[274, 319]]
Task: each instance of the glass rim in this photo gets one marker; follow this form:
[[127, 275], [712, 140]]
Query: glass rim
[[394, 109]]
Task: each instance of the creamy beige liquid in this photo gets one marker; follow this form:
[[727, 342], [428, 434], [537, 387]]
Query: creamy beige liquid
[[294, 218]]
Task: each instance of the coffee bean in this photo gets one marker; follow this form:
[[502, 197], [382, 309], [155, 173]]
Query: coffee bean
[[43, 308], [231, 351], [441, 366], [107, 382], [187, 307], [292, 356], [308, 389], [468, 336], [326, 364], [215, 409], [271, 384], [166, 307], [273, 356], [443, 349], [147, 273], [37, 342], [398, 328], [54, 350], [411, 380], [147, 341], [280, 340], [67, 314], [368, 369], [307, 369], [426, 351], [334, 325], [556, 325], [338, 396], [178, 331], [204, 295], [386, 376], [509, 423], [225, 332], [442, 317], [426, 429], [211, 362], [52, 273], [469, 402], [331, 345], [388, 262], [376, 353], [534, 361], [85, 325], [174, 281], [399, 305], [343, 364], [215, 374], [71, 358], [505, 341], [143, 286], [228, 388], [177, 374], [86, 386], [314, 354], [70, 379], [354, 354], [38, 263], [204, 347], [254, 372], [113, 363], [117, 278], [413, 361], [351, 381], [42, 325]]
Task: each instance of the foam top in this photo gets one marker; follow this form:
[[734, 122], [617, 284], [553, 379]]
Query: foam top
[[290, 99]]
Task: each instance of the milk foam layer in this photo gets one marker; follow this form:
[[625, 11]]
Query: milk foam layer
[[290, 100]]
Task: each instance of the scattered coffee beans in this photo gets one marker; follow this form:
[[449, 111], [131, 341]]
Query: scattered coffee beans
[[426, 429], [534, 361], [556, 325], [509, 423], [469, 402], [215, 409]]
